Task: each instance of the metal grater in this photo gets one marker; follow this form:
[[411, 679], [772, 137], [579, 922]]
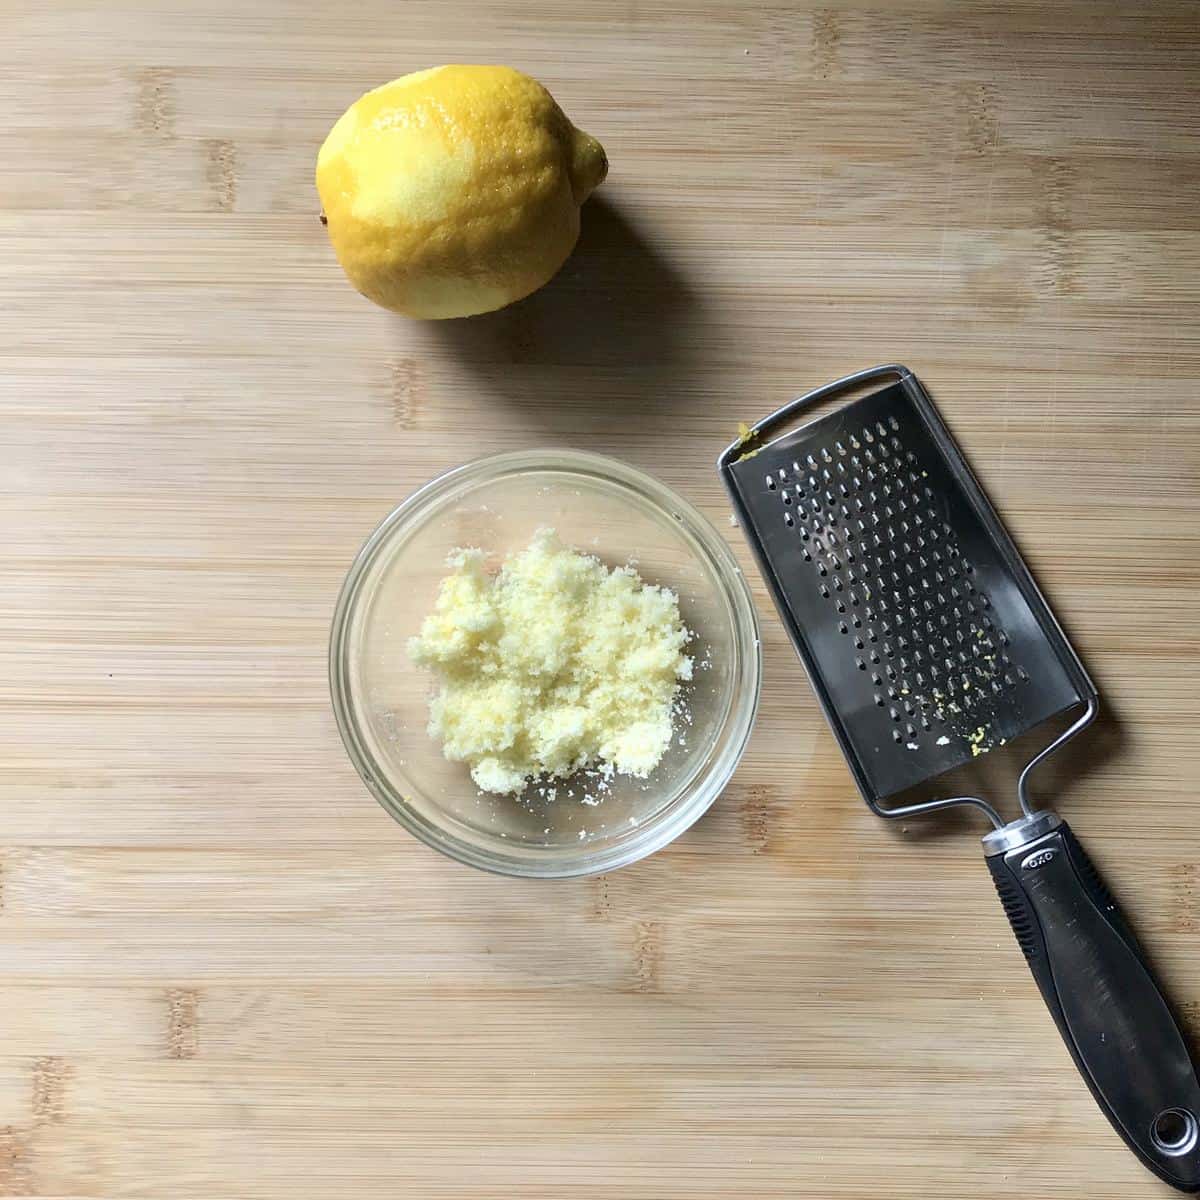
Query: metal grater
[[908, 602], [928, 643]]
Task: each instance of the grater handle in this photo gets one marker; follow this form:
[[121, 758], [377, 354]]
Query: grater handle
[[1099, 988], [793, 408]]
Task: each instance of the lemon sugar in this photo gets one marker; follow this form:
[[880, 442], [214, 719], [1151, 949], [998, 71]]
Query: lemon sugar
[[555, 664]]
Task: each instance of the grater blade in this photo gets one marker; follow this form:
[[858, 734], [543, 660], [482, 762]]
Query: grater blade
[[922, 631]]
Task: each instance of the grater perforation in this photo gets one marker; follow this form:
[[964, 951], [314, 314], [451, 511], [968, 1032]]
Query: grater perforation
[[913, 612], [900, 539]]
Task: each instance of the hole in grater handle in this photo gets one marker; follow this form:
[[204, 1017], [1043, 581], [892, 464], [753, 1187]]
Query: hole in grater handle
[[923, 633], [1175, 1131]]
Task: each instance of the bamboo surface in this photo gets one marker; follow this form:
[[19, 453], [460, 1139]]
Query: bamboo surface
[[224, 972]]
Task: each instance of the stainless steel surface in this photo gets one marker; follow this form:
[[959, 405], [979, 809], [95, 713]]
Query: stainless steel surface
[[1020, 832], [1089, 715], [922, 631], [928, 806]]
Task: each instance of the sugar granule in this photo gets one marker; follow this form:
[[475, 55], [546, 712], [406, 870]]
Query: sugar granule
[[555, 664]]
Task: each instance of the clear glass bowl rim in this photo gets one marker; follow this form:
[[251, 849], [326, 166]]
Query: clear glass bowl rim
[[653, 834]]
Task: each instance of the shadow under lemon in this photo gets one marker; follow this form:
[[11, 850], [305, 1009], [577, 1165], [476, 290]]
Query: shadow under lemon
[[618, 319]]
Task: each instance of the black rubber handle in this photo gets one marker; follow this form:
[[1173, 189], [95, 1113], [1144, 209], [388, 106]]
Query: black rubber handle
[[1109, 1009]]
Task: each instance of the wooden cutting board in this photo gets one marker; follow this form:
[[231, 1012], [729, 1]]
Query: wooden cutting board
[[224, 972]]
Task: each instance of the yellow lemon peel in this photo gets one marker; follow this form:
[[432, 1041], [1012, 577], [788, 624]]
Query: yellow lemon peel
[[455, 190]]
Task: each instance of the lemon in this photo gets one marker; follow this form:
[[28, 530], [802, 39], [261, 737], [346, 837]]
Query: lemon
[[456, 190]]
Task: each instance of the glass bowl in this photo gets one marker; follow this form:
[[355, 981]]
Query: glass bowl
[[598, 506]]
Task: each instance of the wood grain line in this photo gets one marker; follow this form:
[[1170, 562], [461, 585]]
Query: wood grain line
[[51, 1075], [982, 119], [155, 105], [183, 1022], [760, 811], [405, 392], [221, 172], [826, 35], [16, 1176], [647, 955]]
